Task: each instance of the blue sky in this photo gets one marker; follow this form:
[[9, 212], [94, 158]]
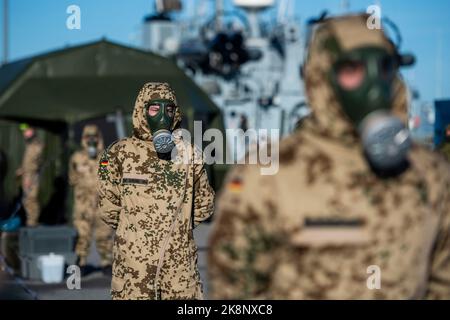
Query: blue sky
[[39, 26]]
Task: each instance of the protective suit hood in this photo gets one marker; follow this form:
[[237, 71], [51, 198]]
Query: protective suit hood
[[330, 38], [91, 130], [152, 91]]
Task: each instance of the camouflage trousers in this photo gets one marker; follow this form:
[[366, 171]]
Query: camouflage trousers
[[87, 224], [31, 205]]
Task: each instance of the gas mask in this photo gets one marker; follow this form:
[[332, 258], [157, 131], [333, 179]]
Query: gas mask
[[363, 80], [92, 144], [160, 116]]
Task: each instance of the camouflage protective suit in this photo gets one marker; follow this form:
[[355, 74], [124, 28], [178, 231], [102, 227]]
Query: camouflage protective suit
[[153, 205], [30, 172], [325, 226], [86, 218]]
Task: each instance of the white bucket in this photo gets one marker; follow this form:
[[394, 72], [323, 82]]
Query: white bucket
[[52, 268]]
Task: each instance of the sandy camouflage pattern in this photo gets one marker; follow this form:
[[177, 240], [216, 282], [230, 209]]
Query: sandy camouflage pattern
[[30, 170], [312, 230], [153, 205], [86, 216]]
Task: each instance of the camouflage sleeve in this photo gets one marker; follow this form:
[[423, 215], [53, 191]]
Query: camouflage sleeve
[[109, 178], [242, 241], [32, 163], [73, 176], [439, 280], [203, 195]]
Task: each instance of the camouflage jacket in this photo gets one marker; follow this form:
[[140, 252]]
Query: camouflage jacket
[[325, 226], [154, 205]]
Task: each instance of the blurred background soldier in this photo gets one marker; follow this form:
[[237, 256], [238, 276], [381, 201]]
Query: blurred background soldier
[[29, 173], [355, 211], [445, 148], [83, 177]]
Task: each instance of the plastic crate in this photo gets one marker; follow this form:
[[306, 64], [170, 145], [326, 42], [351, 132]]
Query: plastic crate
[[29, 264], [43, 240]]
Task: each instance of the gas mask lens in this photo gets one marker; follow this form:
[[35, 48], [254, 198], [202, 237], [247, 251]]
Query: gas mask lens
[[170, 111], [153, 110], [350, 74]]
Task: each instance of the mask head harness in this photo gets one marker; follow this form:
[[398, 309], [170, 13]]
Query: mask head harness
[[160, 115]]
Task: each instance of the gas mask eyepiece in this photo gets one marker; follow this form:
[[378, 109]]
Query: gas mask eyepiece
[[160, 116]]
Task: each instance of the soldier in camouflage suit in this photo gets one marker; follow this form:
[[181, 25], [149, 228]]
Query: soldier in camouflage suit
[[153, 204], [445, 147], [29, 173], [326, 223], [83, 170]]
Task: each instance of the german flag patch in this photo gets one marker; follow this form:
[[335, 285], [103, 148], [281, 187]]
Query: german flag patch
[[103, 168], [235, 186]]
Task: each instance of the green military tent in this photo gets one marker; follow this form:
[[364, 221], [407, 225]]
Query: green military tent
[[56, 90], [87, 81]]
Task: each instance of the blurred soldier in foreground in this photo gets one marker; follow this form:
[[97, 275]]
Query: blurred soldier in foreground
[[29, 173], [83, 177], [355, 211], [445, 148], [154, 203]]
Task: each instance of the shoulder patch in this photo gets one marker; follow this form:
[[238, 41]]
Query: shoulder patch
[[103, 166], [235, 186]]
